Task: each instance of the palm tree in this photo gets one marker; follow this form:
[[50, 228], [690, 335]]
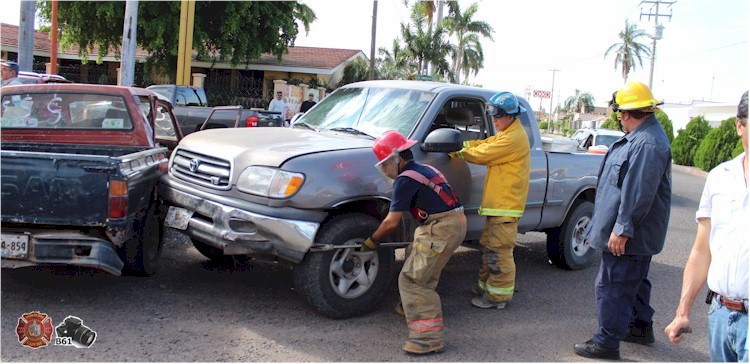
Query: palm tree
[[357, 70], [394, 64], [467, 31], [422, 46], [580, 102], [629, 50]]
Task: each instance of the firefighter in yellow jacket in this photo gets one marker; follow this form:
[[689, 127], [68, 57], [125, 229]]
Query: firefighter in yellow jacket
[[506, 186]]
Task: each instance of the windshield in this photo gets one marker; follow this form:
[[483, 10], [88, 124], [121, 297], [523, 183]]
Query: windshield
[[369, 110], [64, 110], [606, 140]]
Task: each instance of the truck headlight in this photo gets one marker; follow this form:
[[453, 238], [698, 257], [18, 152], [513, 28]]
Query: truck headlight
[[269, 182]]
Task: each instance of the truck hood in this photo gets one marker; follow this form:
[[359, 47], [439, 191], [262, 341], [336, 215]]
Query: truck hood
[[268, 146]]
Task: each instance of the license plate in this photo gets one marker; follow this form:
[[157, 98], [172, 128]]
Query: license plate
[[178, 218], [15, 246]]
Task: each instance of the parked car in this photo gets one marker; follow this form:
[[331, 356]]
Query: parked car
[[192, 111], [29, 78], [301, 195], [80, 166], [601, 139]]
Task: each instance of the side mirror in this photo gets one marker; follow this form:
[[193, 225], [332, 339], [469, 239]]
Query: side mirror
[[444, 140]]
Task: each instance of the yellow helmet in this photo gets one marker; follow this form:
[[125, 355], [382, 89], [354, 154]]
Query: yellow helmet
[[635, 96]]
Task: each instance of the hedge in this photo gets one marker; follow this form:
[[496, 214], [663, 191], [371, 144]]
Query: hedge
[[717, 146], [688, 140]]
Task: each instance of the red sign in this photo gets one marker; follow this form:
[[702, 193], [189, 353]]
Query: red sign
[[34, 329], [542, 94]]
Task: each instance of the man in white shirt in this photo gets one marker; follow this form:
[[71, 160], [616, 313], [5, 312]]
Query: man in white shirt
[[721, 256], [278, 104], [10, 73]]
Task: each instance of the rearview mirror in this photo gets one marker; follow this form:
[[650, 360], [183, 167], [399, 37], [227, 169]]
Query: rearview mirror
[[444, 140]]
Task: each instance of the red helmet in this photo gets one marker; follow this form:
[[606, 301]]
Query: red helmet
[[389, 141]]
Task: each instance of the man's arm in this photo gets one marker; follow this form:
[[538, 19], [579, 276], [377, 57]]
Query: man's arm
[[693, 279], [388, 225]]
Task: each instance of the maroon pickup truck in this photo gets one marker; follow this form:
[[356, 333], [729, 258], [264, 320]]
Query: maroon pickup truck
[[80, 167]]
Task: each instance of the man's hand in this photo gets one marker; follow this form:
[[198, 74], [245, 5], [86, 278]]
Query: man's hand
[[616, 244], [369, 245], [675, 330]]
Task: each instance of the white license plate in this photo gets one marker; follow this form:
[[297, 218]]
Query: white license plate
[[178, 218], [15, 246]]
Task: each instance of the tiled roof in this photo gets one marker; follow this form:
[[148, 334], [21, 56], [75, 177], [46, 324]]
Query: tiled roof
[[297, 57]]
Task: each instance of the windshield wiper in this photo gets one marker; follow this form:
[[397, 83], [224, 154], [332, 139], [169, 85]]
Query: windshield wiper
[[306, 125], [352, 131]]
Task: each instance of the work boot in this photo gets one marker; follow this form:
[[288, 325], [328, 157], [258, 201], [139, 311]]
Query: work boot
[[399, 310], [590, 349], [484, 302], [477, 290], [643, 335], [416, 347]]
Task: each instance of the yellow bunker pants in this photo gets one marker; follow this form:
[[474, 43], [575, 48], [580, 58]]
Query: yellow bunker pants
[[497, 274], [434, 243]]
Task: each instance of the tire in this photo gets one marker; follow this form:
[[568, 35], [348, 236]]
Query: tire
[[142, 251], [566, 247], [216, 255], [344, 282]]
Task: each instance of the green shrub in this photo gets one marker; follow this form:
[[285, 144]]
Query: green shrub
[[688, 140], [717, 146], [738, 149], [543, 125], [611, 122], [666, 124]]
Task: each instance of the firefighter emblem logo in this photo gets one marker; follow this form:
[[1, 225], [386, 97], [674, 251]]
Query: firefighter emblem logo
[[34, 329]]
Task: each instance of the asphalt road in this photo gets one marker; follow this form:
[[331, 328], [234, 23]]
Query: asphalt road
[[195, 311]]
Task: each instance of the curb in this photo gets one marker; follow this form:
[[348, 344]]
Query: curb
[[690, 170]]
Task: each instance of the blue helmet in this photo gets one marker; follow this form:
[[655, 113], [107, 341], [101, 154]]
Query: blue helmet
[[503, 103]]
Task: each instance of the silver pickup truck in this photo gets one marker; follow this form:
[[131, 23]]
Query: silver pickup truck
[[301, 195]]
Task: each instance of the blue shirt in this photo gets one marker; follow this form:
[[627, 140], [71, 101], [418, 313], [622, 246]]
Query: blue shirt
[[634, 190], [408, 192]]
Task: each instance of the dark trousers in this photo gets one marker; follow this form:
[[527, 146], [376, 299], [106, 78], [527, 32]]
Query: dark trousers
[[623, 294]]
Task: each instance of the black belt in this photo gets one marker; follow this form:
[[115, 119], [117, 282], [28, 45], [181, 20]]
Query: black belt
[[736, 305]]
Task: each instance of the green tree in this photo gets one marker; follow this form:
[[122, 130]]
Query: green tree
[[224, 31], [663, 119], [629, 50], [688, 140], [717, 146], [357, 70], [612, 122], [395, 64], [581, 100], [738, 149], [469, 57], [423, 46]]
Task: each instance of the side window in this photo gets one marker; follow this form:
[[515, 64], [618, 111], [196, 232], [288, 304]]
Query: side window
[[190, 97], [464, 115], [179, 99], [163, 122]]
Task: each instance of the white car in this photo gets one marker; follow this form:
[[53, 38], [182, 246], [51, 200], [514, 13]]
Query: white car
[[599, 138]]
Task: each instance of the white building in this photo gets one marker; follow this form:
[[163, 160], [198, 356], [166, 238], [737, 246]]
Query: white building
[[713, 112]]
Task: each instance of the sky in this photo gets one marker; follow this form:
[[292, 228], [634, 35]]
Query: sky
[[703, 54]]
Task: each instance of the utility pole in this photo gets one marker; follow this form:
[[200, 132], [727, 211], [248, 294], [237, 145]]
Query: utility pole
[[658, 29], [53, 41], [127, 61], [26, 36], [551, 94], [372, 42], [185, 42]]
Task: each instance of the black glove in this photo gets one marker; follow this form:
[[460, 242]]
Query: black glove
[[369, 245]]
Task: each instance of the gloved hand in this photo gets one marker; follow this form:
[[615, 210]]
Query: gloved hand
[[369, 245]]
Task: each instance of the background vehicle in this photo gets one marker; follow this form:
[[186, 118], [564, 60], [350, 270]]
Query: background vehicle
[[192, 111], [300, 195], [80, 165], [587, 138], [30, 78]]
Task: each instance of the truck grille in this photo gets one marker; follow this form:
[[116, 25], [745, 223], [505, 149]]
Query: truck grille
[[201, 169]]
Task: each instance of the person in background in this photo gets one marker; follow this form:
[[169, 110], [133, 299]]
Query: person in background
[[279, 105], [506, 186], [307, 105], [423, 191], [720, 257], [10, 73], [629, 224]]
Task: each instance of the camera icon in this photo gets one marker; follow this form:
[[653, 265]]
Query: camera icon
[[74, 329]]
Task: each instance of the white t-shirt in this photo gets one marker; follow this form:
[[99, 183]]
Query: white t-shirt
[[726, 201], [277, 105]]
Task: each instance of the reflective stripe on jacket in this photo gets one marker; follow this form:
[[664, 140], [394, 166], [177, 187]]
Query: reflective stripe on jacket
[[506, 156]]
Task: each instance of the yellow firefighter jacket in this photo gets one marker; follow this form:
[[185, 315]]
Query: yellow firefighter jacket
[[506, 156]]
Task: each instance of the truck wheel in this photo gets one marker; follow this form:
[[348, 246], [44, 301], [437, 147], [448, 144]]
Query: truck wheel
[[142, 251], [566, 247], [345, 282]]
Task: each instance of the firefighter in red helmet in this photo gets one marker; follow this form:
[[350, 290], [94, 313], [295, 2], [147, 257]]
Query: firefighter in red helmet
[[423, 191]]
